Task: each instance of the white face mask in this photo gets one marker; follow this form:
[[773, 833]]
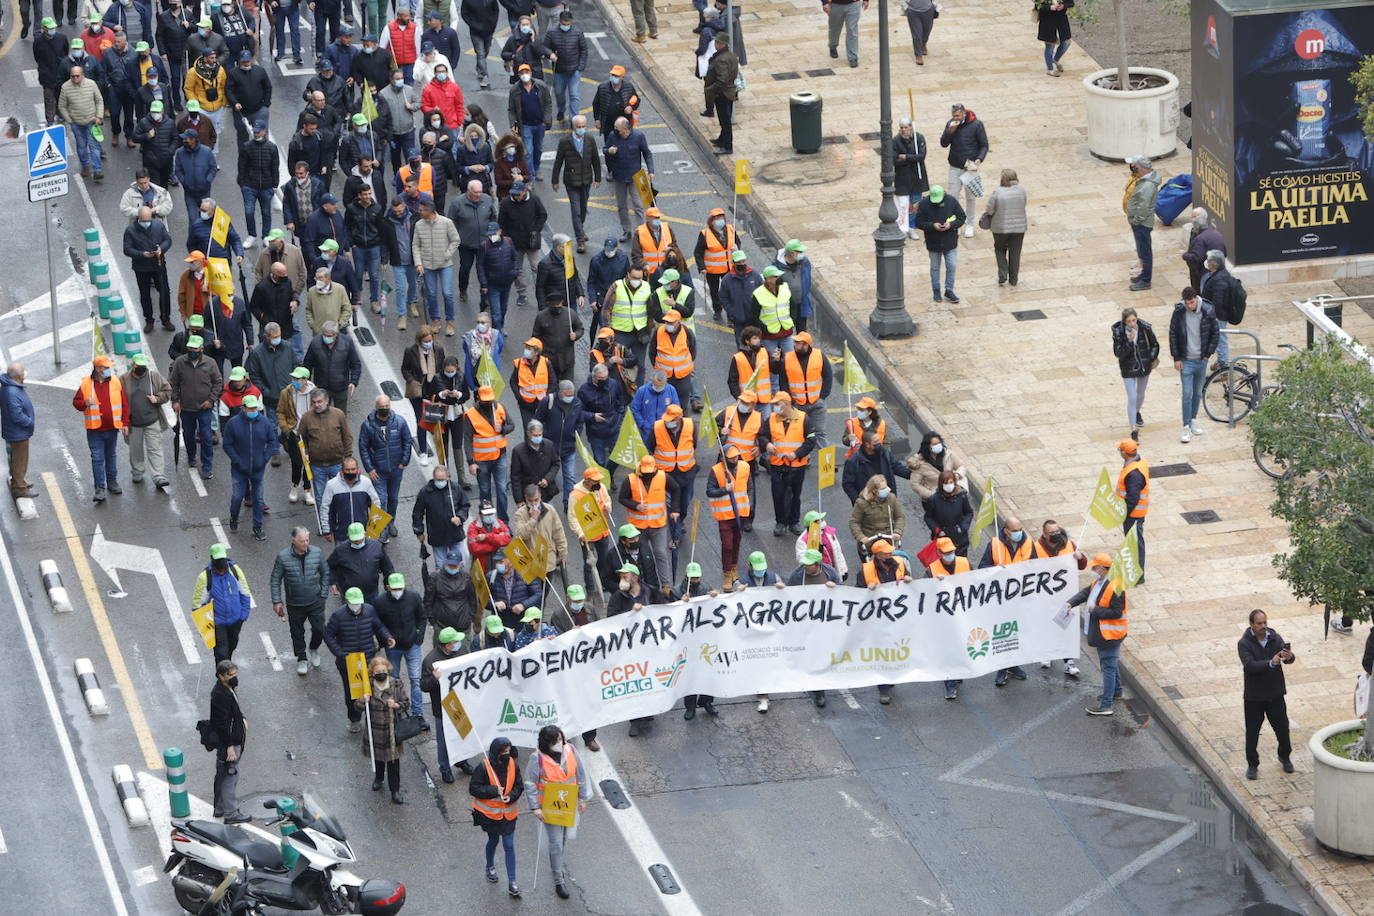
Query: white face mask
[[947, 487], [355, 608], [624, 585], [634, 284], [488, 521], [936, 448], [556, 748], [397, 593]]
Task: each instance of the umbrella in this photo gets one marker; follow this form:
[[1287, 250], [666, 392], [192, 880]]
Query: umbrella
[[176, 443]]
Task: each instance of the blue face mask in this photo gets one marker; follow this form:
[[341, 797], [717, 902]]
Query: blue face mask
[[526, 30], [565, 28], [274, 341], [427, 345], [206, 216], [145, 223], [328, 340], [509, 154], [298, 384], [440, 484], [398, 83], [536, 441], [358, 545], [106, 373], [361, 128], [441, 77], [580, 131], [251, 414], [367, 50], [653, 224], [1016, 536]]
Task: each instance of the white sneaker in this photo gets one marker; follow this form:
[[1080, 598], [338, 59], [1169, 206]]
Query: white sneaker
[[302, 667], [1197, 430], [250, 241], [426, 459], [295, 495], [310, 496], [314, 655], [968, 232], [1186, 436], [913, 235], [1046, 665], [763, 704], [1071, 669]]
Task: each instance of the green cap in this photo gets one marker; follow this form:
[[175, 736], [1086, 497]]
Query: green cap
[[669, 275], [356, 532], [156, 106], [354, 595], [140, 359], [771, 271], [194, 342], [811, 557], [238, 374], [628, 531], [329, 245], [813, 516], [577, 593], [694, 570], [48, 23], [300, 372], [629, 568], [274, 235], [738, 255], [395, 580], [758, 562], [218, 551], [95, 17], [196, 321], [141, 47], [251, 402], [448, 636], [77, 43], [192, 105], [794, 245], [937, 193], [205, 23], [360, 119], [493, 623], [532, 613]]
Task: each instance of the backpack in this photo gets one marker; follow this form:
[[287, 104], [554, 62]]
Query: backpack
[[209, 738], [1238, 299]]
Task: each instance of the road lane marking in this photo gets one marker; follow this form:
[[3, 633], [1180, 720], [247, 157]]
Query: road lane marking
[[218, 527], [196, 483], [112, 555], [848, 696], [1140, 862], [877, 829], [26, 348], [113, 653], [271, 650], [83, 797], [3, 848], [72, 289]]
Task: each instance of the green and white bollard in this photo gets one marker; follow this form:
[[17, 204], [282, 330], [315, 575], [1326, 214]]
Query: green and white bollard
[[92, 237], [100, 275], [177, 795], [286, 807]]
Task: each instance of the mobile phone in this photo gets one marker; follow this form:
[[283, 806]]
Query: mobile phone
[[1288, 645]]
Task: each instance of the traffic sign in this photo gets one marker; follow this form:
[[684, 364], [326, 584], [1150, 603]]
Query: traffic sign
[[48, 187], [47, 150]]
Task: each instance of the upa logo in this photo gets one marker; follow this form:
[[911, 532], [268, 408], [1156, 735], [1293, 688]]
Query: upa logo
[[977, 643], [1310, 44], [667, 677], [540, 713]]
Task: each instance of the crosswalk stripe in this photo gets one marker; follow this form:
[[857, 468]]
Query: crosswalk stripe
[[26, 348]]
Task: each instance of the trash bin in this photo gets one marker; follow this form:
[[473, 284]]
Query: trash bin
[[806, 121]]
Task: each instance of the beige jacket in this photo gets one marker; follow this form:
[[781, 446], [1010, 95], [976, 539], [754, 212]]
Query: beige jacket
[[331, 306], [924, 476], [81, 104], [548, 525], [291, 257]]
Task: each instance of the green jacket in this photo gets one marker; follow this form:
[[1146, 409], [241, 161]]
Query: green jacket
[[1140, 209]]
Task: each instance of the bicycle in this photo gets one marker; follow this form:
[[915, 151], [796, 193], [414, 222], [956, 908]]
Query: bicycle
[[1232, 391]]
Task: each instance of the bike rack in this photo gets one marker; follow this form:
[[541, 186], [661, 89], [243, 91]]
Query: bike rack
[[1259, 357]]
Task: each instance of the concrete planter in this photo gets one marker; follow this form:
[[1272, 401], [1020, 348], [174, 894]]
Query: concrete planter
[[1137, 122], [1342, 796]]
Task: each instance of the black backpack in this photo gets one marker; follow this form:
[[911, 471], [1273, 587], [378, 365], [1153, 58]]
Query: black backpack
[[209, 737], [1238, 299]]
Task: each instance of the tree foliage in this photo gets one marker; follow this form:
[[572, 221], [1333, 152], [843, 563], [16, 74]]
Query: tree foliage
[[1362, 78], [1321, 425]]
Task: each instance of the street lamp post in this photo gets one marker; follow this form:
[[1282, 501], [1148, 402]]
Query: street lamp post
[[889, 318]]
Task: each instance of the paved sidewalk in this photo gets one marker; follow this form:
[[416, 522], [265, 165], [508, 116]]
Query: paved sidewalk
[[1038, 403]]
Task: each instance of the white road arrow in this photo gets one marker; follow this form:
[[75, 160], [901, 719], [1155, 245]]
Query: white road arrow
[[112, 555]]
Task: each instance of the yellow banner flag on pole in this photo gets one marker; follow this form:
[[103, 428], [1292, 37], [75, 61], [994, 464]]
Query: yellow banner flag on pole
[[219, 228], [457, 714], [369, 106], [204, 618], [1108, 509], [440, 441], [589, 460], [855, 378], [559, 804], [221, 278], [488, 375], [710, 433], [522, 557], [569, 265], [377, 520], [826, 476], [480, 586], [1126, 570], [743, 184], [629, 447], [985, 516], [589, 517], [97, 340], [644, 187], [355, 663]]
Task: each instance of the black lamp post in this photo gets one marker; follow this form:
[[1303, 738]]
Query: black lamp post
[[889, 318]]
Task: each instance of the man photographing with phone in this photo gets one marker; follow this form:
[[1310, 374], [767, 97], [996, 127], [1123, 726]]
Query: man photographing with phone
[[1262, 655]]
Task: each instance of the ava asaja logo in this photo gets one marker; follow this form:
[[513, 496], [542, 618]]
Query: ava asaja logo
[[542, 713]]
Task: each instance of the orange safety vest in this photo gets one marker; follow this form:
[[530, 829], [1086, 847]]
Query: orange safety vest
[[674, 357], [717, 255], [744, 436], [487, 441], [871, 571], [533, 383], [853, 427], [803, 384], [655, 497], [494, 808], [787, 436], [681, 456], [1111, 627], [764, 388], [1001, 557], [722, 507], [1142, 508], [93, 418], [551, 771], [937, 569], [1043, 554], [653, 254], [426, 177]]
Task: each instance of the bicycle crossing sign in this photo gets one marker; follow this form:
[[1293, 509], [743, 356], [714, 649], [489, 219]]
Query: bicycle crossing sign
[[47, 150]]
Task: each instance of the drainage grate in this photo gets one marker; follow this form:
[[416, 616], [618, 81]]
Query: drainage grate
[[364, 337], [824, 71], [1173, 692], [838, 138], [1172, 470], [870, 136], [788, 75], [1201, 518], [1028, 315]]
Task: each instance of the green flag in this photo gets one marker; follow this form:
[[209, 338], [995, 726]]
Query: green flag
[[488, 376], [588, 460], [629, 447], [369, 106], [985, 516], [710, 434], [1107, 508], [1126, 571], [753, 383], [855, 378]]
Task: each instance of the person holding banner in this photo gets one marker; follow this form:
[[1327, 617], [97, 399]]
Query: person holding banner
[[675, 452], [1133, 486], [450, 645], [495, 788], [551, 768], [883, 568], [877, 512], [692, 586], [224, 584], [1054, 541], [759, 576], [1010, 547], [1104, 623], [532, 627], [948, 563], [651, 500], [355, 628], [494, 635]]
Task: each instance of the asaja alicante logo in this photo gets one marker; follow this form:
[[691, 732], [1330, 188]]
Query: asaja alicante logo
[[977, 643], [543, 713]]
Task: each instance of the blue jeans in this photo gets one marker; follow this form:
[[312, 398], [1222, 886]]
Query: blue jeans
[[1223, 345], [601, 449], [570, 476], [246, 483], [263, 198], [401, 146], [197, 429], [388, 486], [497, 300], [949, 259], [567, 93], [1108, 657], [1193, 376], [442, 554], [320, 475], [508, 841], [1144, 250], [104, 457], [291, 14], [407, 287], [495, 475], [533, 135], [364, 259], [413, 657], [436, 279], [86, 147], [298, 345]]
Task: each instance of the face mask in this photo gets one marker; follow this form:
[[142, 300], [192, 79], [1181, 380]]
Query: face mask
[[152, 77], [670, 328], [615, 81], [575, 605], [947, 487], [488, 521], [145, 223], [441, 77], [566, 399], [624, 585], [140, 371], [298, 384], [741, 269], [947, 557], [525, 77], [565, 28], [380, 678], [205, 216], [398, 83], [526, 30], [450, 374], [194, 355], [718, 224], [536, 441], [440, 484], [106, 373], [937, 448], [495, 240], [427, 345], [360, 130], [452, 570], [482, 327], [358, 545], [435, 122], [204, 33], [654, 223], [350, 477], [884, 493], [252, 414], [529, 354], [367, 50], [328, 340], [634, 284], [157, 117], [501, 568], [220, 565], [233, 681], [632, 547], [579, 131], [509, 154], [274, 341], [1016, 536], [673, 424], [397, 593]]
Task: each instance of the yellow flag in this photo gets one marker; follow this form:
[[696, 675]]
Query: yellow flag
[[221, 278], [542, 550], [522, 557], [457, 714], [710, 433], [629, 447], [97, 340], [986, 515], [743, 184], [753, 383], [1107, 508], [377, 520], [696, 518], [488, 375], [827, 467], [305, 461], [369, 106], [1126, 571], [569, 265], [855, 378], [590, 517], [355, 663], [440, 441], [560, 803], [644, 187], [480, 587], [589, 460], [204, 617], [219, 228]]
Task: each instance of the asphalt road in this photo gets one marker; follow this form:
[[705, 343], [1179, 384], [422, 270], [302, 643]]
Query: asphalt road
[[1009, 800]]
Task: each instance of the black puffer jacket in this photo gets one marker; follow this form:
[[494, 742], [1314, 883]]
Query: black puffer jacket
[[159, 147], [1178, 335], [570, 46], [967, 141], [449, 600], [259, 165], [333, 369], [347, 632], [432, 513], [1136, 359], [402, 616]]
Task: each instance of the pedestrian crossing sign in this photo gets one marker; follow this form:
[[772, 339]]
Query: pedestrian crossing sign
[[47, 150]]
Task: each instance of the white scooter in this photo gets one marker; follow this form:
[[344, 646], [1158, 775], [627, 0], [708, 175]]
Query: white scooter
[[205, 852]]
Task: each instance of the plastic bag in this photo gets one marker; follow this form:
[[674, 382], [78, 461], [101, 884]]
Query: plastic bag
[[1361, 695]]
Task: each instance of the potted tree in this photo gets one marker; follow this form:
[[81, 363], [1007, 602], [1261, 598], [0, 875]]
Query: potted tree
[[1319, 426], [1132, 111]]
